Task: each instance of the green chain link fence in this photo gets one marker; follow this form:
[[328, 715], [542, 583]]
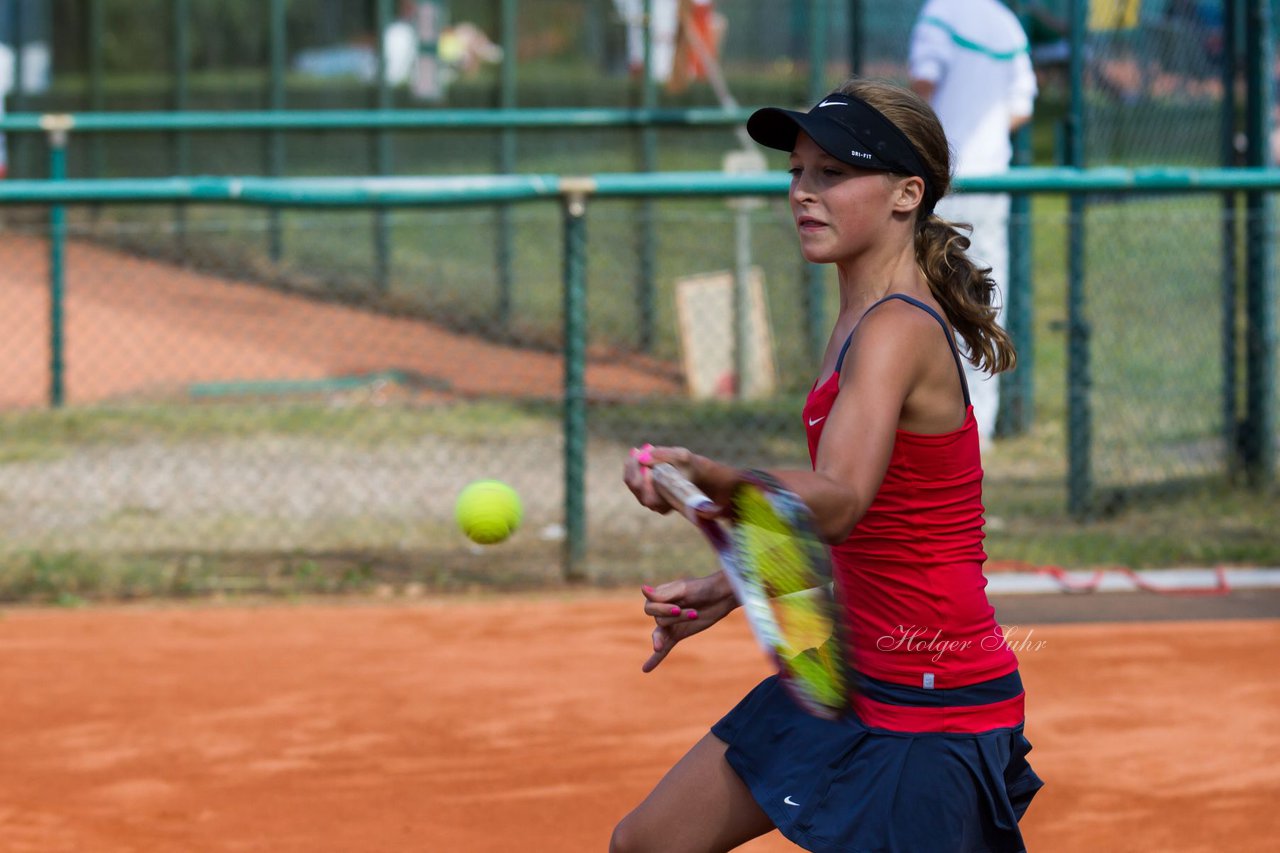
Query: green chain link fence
[[207, 416], [298, 386]]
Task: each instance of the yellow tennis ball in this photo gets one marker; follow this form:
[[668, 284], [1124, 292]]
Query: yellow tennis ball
[[488, 511]]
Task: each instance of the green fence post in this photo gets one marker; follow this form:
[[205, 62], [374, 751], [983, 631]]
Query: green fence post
[[18, 104], [1079, 377], [181, 153], [815, 274], [275, 98], [855, 38], [575, 191], [382, 153], [507, 164], [1230, 243], [1017, 387], [1079, 373], [817, 48], [645, 289], [57, 128], [97, 100], [1259, 440]]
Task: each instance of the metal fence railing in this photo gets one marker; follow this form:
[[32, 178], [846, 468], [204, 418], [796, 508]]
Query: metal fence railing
[[194, 409]]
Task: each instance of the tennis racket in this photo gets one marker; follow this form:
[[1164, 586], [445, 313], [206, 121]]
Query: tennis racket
[[780, 572]]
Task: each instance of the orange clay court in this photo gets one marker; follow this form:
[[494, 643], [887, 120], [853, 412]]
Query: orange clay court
[[524, 723]]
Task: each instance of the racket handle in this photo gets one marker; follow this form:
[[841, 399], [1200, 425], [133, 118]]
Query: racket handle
[[677, 489]]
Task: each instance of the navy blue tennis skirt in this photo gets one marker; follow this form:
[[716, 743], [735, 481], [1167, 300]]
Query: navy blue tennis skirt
[[844, 786]]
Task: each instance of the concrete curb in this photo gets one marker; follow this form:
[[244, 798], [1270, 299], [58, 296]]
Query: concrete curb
[[1172, 581]]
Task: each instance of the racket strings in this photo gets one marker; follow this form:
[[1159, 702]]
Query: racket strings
[[788, 562]]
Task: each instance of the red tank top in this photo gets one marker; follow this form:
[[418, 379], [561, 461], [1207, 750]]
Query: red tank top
[[911, 571]]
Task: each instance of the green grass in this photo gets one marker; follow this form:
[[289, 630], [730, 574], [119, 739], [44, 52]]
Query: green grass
[[1027, 523], [38, 435], [73, 579]]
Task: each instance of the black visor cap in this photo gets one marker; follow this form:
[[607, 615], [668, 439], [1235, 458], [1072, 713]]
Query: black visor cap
[[848, 129]]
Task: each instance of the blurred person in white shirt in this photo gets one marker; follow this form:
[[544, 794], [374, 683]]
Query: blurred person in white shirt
[[971, 61]]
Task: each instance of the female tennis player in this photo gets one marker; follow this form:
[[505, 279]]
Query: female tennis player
[[933, 757]]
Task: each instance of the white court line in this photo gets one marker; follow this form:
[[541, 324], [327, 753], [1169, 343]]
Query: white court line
[[1172, 580]]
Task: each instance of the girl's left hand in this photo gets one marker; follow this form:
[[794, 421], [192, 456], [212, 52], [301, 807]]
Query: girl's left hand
[[683, 608]]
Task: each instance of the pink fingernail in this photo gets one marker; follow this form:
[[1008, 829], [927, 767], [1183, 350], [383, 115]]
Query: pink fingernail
[[692, 614], [675, 611], [645, 457], [647, 588]]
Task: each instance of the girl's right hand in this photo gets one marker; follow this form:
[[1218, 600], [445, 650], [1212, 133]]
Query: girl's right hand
[[636, 473]]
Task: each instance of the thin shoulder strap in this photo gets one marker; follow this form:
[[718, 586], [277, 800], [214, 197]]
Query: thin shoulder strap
[[946, 330]]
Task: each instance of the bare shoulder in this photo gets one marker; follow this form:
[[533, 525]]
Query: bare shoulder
[[897, 339], [897, 325]]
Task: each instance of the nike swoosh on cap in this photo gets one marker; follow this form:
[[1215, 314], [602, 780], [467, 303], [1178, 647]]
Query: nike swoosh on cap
[[833, 104]]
